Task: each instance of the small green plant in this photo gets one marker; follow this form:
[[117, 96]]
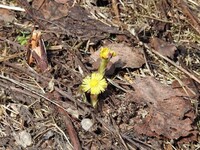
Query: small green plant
[[23, 38], [96, 82]]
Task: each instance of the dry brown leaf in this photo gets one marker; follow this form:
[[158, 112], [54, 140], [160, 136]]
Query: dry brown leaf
[[169, 114], [51, 10], [127, 57], [164, 48], [6, 15]]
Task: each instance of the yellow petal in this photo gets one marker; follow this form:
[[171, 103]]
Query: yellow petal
[[95, 84]]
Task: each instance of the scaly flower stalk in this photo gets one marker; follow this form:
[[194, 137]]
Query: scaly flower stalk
[[103, 65], [96, 83], [94, 100]]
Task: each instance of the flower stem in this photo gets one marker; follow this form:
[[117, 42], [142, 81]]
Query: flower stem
[[102, 66], [94, 100]]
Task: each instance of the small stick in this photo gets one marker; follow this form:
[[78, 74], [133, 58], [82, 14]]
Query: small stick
[[174, 64], [147, 65], [12, 8], [69, 125]]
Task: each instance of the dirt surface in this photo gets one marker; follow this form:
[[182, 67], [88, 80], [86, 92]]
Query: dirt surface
[[47, 48]]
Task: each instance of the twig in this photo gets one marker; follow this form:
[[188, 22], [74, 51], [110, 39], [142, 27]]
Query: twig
[[12, 7], [174, 64], [118, 133], [138, 143], [13, 43], [62, 111], [147, 65], [57, 127], [154, 18], [70, 128], [6, 58], [134, 141], [30, 90], [46, 79]]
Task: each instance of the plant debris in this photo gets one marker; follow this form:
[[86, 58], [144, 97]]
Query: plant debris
[[6, 15], [152, 94], [170, 115], [163, 47]]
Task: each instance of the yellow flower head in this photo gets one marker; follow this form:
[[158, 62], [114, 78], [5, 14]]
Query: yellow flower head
[[95, 84], [106, 53]]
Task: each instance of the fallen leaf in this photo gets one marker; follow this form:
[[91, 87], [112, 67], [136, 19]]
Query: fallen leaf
[[169, 114], [127, 57], [51, 10], [159, 26], [164, 48], [6, 15]]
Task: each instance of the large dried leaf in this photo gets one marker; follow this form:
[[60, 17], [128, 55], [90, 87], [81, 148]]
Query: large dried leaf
[[127, 57], [169, 114]]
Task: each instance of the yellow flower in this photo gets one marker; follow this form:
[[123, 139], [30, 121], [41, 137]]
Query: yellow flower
[[106, 53], [95, 84]]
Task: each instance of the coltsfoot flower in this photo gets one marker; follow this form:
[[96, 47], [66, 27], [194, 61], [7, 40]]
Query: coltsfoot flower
[[95, 84], [106, 53]]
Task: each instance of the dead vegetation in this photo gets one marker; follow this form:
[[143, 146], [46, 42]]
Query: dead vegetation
[[47, 47]]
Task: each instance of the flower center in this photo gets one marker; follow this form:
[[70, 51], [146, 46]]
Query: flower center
[[93, 82]]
